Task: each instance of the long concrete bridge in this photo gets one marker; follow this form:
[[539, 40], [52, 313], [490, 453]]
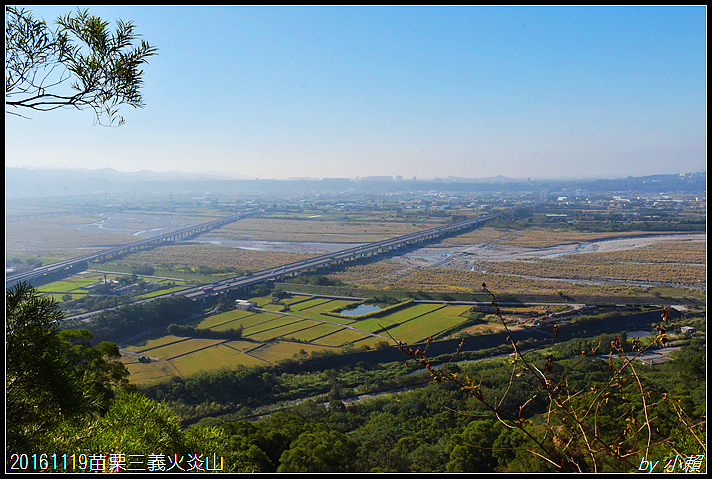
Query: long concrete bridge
[[349, 254], [62, 268], [326, 261], [370, 250]]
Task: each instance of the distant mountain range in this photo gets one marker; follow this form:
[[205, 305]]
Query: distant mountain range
[[61, 182]]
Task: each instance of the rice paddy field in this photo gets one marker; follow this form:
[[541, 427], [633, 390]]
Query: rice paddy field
[[315, 230], [513, 261], [270, 336]]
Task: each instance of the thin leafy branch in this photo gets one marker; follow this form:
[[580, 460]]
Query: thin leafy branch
[[80, 64], [596, 427]]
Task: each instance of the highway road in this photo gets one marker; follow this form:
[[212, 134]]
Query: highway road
[[326, 260], [291, 269], [348, 254], [70, 264], [323, 261]]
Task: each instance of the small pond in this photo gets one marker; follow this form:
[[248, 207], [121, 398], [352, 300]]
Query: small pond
[[361, 309]]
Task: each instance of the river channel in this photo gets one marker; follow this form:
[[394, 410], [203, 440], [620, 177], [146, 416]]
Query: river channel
[[483, 251]]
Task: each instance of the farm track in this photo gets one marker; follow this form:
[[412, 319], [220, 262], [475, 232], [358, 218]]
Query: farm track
[[249, 352]]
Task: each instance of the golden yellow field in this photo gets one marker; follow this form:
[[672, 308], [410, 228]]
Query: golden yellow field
[[458, 281], [270, 337], [305, 230], [485, 234], [147, 373], [276, 351], [540, 237], [665, 259]]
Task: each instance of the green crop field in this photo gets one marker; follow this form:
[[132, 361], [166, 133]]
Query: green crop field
[[397, 317], [67, 285], [272, 336], [316, 332], [217, 356], [262, 322], [230, 319], [418, 329], [280, 329], [160, 292], [295, 299], [316, 310], [342, 338], [180, 346], [269, 337], [313, 303]]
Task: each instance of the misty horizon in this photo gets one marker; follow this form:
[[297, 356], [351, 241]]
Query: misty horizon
[[425, 92]]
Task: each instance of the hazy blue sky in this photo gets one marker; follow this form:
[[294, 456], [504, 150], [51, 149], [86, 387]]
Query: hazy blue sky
[[278, 92]]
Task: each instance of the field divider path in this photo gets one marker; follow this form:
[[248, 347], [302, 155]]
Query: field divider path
[[248, 352], [199, 349], [162, 345], [327, 322]]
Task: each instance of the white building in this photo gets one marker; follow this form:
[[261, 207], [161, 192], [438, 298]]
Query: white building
[[245, 305]]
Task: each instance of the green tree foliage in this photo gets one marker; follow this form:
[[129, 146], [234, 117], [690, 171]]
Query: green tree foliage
[[52, 376], [473, 448], [318, 451], [98, 368], [117, 324], [189, 331], [40, 386], [136, 425], [65, 397], [583, 427], [142, 434], [376, 439], [80, 64]]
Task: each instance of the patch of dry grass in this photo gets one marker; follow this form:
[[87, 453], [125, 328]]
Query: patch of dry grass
[[315, 230], [484, 234], [542, 237]]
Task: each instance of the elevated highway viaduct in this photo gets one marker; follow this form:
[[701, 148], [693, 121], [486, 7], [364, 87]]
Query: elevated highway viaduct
[[55, 271], [349, 254], [354, 253]]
